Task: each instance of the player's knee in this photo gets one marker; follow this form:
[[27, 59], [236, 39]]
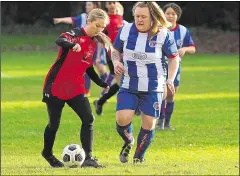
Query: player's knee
[[124, 117], [88, 119], [53, 126], [170, 98], [102, 69]]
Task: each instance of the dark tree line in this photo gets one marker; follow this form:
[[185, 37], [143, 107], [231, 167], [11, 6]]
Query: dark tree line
[[220, 15]]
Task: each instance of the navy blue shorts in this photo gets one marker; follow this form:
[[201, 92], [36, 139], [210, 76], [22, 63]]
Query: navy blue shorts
[[148, 102]]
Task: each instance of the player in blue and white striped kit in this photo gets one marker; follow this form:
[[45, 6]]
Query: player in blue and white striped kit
[[185, 44], [144, 46]]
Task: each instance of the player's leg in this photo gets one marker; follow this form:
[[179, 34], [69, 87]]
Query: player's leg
[[170, 102], [54, 108], [101, 65], [111, 74], [150, 105], [87, 84], [126, 105], [161, 120], [98, 104], [81, 106]]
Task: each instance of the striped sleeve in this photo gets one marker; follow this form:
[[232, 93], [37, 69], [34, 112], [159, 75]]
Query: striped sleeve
[[188, 41], [169, 46]]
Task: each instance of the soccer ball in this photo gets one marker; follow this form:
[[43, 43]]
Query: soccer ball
[[73, 155]]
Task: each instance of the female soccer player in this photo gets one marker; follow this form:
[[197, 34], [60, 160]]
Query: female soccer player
[[185, 44], [80, 21], [64, 83], [144, 45]]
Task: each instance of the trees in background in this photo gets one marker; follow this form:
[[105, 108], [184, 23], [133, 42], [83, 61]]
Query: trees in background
[[221, 15]]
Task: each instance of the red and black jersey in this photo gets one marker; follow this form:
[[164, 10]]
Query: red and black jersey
[[116, 22], [65, 78]]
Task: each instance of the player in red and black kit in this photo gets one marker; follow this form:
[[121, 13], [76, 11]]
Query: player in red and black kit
[[116, 22], [64, 83]]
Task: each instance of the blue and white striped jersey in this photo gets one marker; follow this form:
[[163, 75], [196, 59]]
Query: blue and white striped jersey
[[143, 59], [182, 36]]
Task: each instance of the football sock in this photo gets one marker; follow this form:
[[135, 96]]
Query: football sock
[[109, 79], [103, 76], [125, 132], [163, 110], [169, 111], [112, 91], [86, 137], [49, 138], [143, 142]]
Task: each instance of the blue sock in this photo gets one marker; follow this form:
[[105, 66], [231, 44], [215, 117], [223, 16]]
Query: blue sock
[[169, 111], [163, 110], [110, 78], [125, 132], [143, 142], [103, 76], [87, 82]]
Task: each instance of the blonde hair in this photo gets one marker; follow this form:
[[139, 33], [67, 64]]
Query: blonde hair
[[158, 18], [97, 14], [120, 8]]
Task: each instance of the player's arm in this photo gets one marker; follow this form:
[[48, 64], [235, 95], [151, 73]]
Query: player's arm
[[170, 50], [94, 76], [66, 20], [66, 40], [188, 45]]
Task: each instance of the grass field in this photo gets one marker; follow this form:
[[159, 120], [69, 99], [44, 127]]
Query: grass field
[[206, 140]]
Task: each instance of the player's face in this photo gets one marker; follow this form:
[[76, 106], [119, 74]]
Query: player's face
[[89, 7], [112, 7], [171, 15], [97, 26], [142, 19]]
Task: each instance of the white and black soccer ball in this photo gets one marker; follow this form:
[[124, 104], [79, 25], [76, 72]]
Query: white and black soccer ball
[[73, 155]]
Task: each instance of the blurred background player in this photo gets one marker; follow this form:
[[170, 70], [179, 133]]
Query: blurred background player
[[80, 21], [144, 46], [115, 11], [64, 83], [185, 44]]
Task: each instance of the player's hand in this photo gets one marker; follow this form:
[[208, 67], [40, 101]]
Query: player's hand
[[77, 48], [181, 52], [118, 67], [170, 86], [56, 20]]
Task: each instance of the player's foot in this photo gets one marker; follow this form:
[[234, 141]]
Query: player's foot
[[91, 162], [124, 154], [53, 161], [98, 108], [160, 124], [169, 127], [138, 160]]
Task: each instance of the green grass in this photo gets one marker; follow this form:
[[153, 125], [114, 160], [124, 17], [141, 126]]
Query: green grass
[[9, 41], [206, 116]]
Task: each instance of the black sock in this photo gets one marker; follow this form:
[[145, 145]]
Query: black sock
[[112, 91], [86, 137], [49, 138]]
